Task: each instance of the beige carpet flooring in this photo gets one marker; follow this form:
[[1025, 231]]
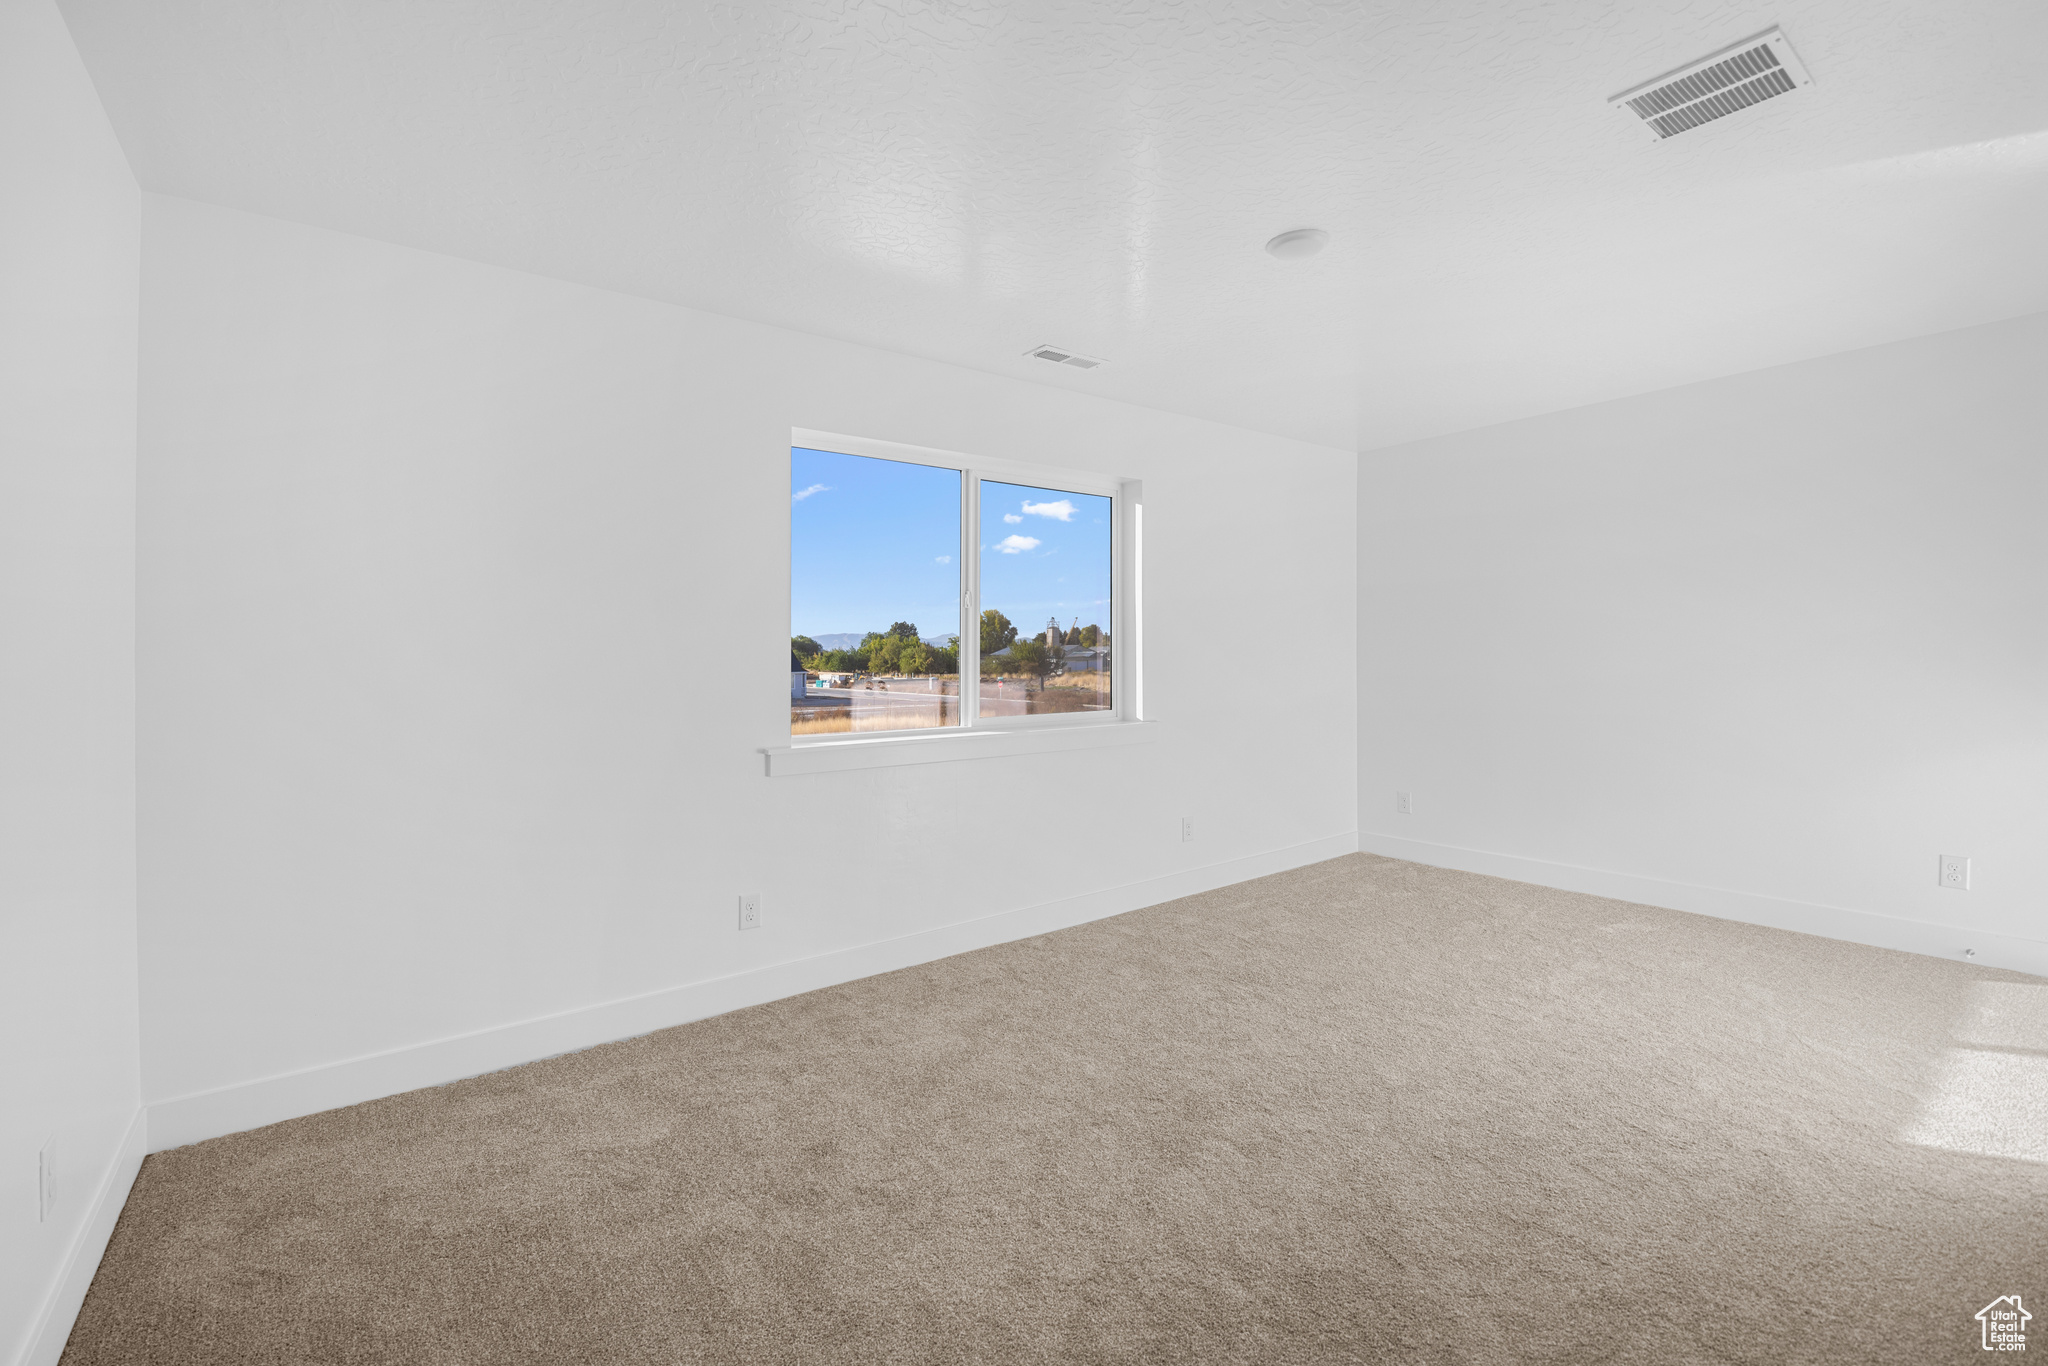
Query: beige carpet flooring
[[1366, 1111]]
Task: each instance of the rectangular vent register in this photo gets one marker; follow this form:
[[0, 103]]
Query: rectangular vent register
[[1717, 85], [1060, 355]]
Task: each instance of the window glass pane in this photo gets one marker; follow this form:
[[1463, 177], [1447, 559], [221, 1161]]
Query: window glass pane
[[1045, 599], [874, 594]]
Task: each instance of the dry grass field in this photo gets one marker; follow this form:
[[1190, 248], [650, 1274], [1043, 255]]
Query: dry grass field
[[896, 719], [1061, 694]]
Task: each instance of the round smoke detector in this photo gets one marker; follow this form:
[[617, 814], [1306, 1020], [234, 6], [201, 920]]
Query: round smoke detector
[[1293, 246]]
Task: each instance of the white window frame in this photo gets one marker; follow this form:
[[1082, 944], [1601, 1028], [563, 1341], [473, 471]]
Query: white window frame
[[989, 734]]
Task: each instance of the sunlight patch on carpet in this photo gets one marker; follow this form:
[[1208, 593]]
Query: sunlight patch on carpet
[[1991, 1098]]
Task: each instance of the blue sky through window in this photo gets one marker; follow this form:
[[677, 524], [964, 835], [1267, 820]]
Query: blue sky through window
[[875, 541], [1045, 553], [872, 542]]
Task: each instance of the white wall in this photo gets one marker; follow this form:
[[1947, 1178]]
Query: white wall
[[1759, 647], [464, 617], [69, 242]]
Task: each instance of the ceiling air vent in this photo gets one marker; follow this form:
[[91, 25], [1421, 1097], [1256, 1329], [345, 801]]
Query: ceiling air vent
[[1727, 82], [1059, 355]]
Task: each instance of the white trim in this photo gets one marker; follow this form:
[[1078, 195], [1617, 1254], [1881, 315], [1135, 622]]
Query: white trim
[[229, 1109], [967, 659], [1046, 720], [1751, 908], [1131, 663], [53, 1323], [888, 749], [1003, 471]]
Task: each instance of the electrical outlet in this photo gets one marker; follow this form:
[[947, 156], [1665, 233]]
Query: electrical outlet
[[46, 1180], [1404, 804], [1187, 829], [750, 910], [1955, 872]]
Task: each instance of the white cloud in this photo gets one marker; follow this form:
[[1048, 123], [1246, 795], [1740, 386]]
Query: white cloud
[[802, 494], [945, 559], [1062, 511], [1012, 518], [1017, 545]]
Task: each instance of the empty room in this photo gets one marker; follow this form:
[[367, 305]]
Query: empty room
[[1502, 810]]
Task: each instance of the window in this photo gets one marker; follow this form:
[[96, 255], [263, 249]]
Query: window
[[874, 601], [1045, 555], [912, 571]]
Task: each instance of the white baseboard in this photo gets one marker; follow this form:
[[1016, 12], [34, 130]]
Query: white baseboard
[[60, 1308], [249, 1105], [1829, 922]]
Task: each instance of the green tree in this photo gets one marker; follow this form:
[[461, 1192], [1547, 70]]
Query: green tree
[[902, 630], [946, 660], [882, 653], [1090, 634], [1030, 658], [806, 648], [997, 634], [914, 657]]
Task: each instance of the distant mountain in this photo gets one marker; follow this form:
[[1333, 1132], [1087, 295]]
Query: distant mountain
[[846, 640]]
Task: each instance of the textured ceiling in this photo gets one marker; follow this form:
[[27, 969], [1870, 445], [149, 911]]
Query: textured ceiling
[[965, 180]]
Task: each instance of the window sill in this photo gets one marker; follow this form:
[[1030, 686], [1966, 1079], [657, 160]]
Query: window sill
[[836, 756]]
